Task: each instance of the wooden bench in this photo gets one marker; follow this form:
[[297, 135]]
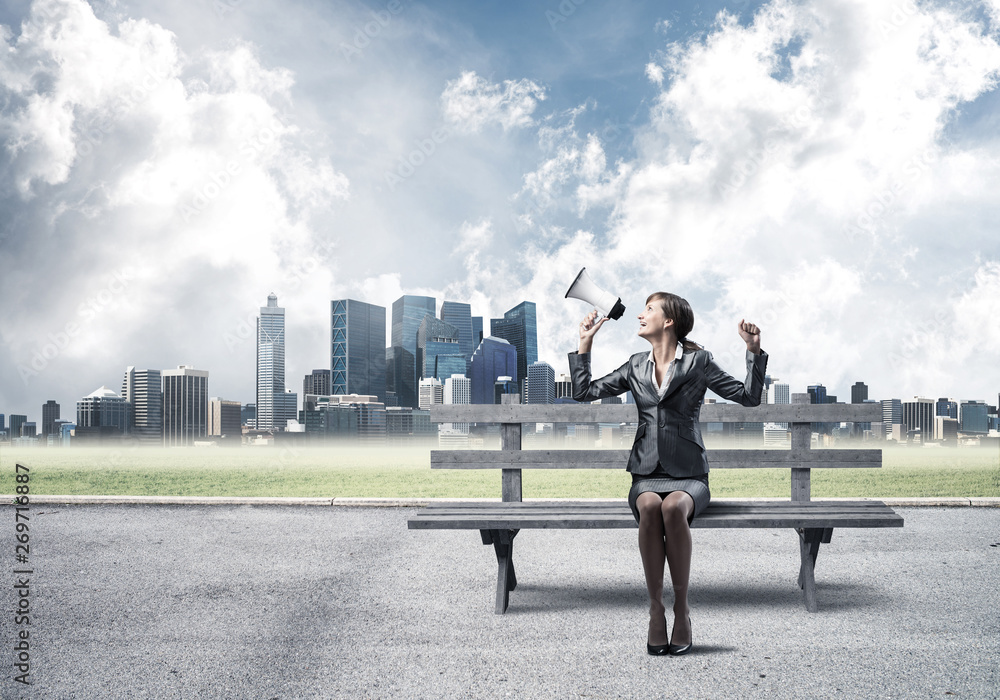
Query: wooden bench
[[499, 522]]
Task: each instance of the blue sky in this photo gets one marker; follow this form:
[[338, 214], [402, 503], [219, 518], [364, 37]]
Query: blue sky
[[827, 170]]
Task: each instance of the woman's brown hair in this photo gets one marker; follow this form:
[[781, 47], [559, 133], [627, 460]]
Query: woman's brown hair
[[678, 309]]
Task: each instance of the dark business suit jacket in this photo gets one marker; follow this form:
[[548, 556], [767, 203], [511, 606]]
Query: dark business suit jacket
[[668, 430]]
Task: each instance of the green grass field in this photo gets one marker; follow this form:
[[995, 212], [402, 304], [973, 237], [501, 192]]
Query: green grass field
[[399, 472]]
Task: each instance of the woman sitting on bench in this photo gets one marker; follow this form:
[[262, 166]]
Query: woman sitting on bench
[[668, 463]]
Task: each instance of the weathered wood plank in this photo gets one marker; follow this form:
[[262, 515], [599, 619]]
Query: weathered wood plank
[[621, 505], [617, 459], [757, 515], [624, 512], [626, 413], [809, 540], [503, 544], [510, 443]]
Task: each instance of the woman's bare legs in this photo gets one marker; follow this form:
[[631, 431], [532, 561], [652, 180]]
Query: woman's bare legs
[[665, 537], [653, 558], [676, 508]]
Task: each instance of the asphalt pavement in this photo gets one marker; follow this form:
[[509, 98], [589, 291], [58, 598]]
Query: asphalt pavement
[[271, 601]]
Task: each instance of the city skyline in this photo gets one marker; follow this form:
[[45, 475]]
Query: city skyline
[[860, 388], [166, 166]]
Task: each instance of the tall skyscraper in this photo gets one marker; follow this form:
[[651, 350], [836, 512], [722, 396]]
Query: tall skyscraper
[[16, 421], [779, 394], [270, 363], [859, 392], [143, 393], [519, 327], [892, 414], [918, 414], [540, 385], [357, 349], [495, 357], [407, 313], [185, 405], [3, 425], [457, 390], [477, 331], [447, 365], [50, 414], [459, 315], [817, 393], [436, 338], [564, 387], [286, 408], [318, 383], [431, 392]]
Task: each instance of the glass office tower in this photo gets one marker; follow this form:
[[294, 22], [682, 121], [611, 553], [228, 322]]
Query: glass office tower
[[892, 413], [460, 316], [407, 313], [357, 349], [519, 327], [495, 357], [185, 405], [50, 414], [973, 417], [270, 362], [434, 338], [142, 390], [541, 384]]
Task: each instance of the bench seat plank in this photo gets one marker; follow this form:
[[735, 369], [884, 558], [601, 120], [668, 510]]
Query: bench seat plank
[[616, 459], [719, 514]]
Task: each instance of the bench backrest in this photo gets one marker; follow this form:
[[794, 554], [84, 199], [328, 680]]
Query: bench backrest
[[800, 415]]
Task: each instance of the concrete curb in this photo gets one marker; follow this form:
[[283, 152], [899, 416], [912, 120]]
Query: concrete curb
[[975, 501]]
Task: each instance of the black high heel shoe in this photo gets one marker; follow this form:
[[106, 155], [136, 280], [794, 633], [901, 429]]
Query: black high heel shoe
[[659, 649], [681, 649]]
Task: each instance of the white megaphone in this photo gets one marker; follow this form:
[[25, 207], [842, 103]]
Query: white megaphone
[[605, 302]]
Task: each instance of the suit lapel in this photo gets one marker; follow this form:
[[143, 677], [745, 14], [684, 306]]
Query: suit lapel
[[681, 372]]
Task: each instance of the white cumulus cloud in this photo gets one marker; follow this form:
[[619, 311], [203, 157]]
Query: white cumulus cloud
[[471, 102]]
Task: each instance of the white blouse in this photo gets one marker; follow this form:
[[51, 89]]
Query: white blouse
[[668, 375]]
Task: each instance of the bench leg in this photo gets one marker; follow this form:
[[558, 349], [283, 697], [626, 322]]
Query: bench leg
[[809, 541], [503, 544]]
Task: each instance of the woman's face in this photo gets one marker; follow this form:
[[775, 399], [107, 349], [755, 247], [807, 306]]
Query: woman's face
[[652, 321]]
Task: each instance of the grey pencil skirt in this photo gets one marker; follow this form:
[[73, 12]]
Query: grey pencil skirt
[[695, 486]]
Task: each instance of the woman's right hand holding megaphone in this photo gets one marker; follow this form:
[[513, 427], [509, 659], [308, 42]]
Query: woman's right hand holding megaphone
[[588, 329]]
